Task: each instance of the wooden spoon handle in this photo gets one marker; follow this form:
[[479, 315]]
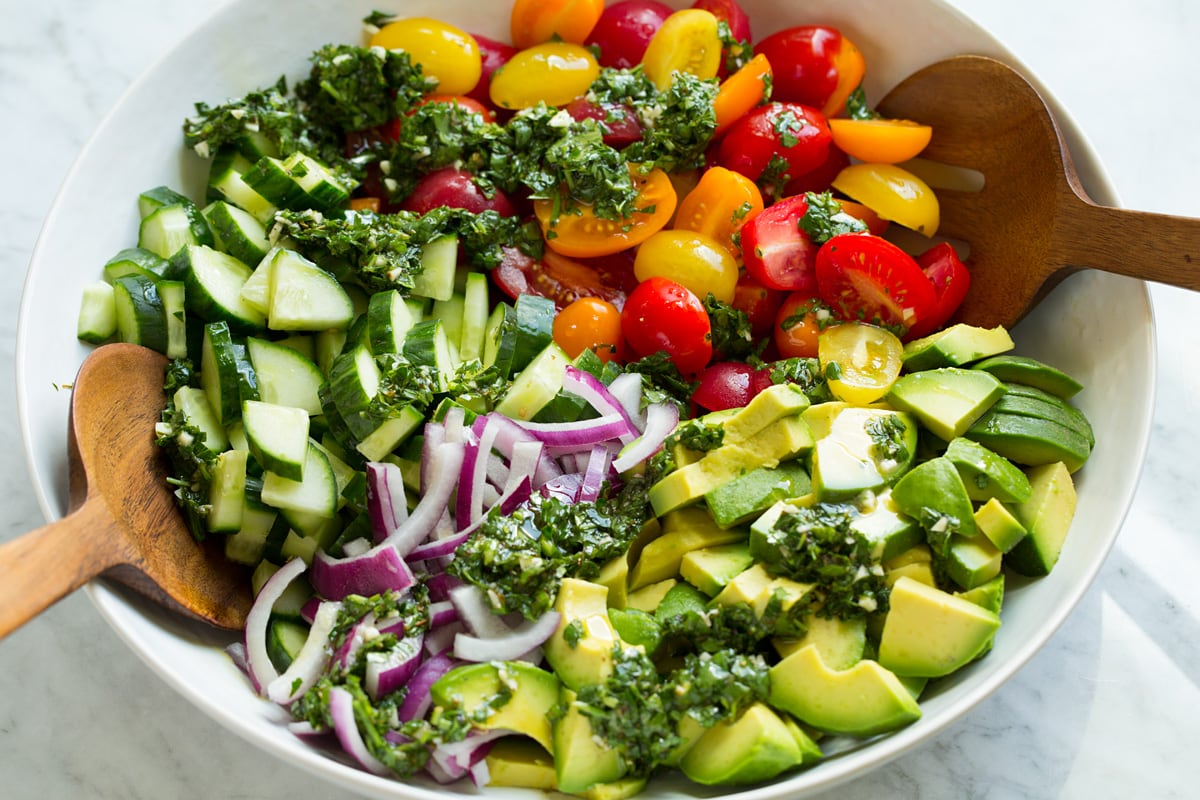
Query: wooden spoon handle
[[48, 563], [1151, 247]]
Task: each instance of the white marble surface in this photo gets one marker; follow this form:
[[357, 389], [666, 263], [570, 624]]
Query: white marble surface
[[1109, 708]]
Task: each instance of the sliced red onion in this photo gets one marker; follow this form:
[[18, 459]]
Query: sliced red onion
[[455, 423], [387, 672], [470, 484], [442, 612], [418, 701], [514, 496], [661, 420], [476, 612], [347, 652], [261, 670], [479, 773], [308, 611], [305, 729], [356, 547], [441, 640], [310, 662], [599, 397], [378, 570], [445, 466], [237, 654], [596, 473], [565, 487], [584, 433], [456, 758], [345, 726], [509, 434], [391, 624], [433, 437], [518, 642], [439, 585], [387, 504], [440, 548], [626, 389], [497, 472], [524, 462]]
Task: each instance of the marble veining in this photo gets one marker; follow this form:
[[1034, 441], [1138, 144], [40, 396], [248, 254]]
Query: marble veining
[[1109, 708]]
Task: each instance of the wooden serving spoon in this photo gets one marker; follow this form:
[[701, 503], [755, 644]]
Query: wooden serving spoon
[[1032, 224], [124, 522]]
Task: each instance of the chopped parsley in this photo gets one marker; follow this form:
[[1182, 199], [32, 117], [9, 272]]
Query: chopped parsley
[[192, 461], [887, 437], [803, 372], [857, 107], [662, 381], [732, 335], [824, 218]]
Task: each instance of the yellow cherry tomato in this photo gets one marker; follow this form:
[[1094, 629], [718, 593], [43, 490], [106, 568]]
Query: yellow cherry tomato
[[444, 52], [695, 260], [880, 141], [589, 323], [893, 193], [554, 73], [860, 361], [688, 41]]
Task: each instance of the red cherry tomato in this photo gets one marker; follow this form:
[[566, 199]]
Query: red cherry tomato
[[563, 279], [758, 303], [869, 279], [733, 15], [661, 314], [776, 142], [493, 55], [727, 384], [463, 101], [455, 188], [618, 122], [951, 281], [776, 252], [821, 178], [624, 29], [813, 64]]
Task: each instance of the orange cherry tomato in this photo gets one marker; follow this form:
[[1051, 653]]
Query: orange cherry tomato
[[366, 204], [875, 223], [750, 86], [798, 325], [719, 205], [535, 21], [880, 141], [589, 323], [579, 233]]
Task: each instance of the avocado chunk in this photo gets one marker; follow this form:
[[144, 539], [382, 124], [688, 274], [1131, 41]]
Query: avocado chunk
[[474, 687], [915, 562], [889, 531], [580, 649], [581, 759], [744, 497], [928, 633], [989, 595], [865, 449], [987, 475], [683, 530], [756, 587], [840, 642], [636, 627], [617, 790], [1031, 372], [710, 568], [1030, 441], [947, 401], [972, 560], [954, 346], [933, 494], [860, 701], [1029, 401], [647, 598], [757, 746], [765, 408], [518, 761], [997, 523], [1047, 516]]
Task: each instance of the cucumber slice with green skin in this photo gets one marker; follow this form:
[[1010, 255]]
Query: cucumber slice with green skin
[[390, 434], [297, 182], [327, 346], [285, 376], [389, 319], [174, 300], [246, 545], [254, 145], [474, 317], [169, 228], [237, 232], [226, 375], [427, 344], [535, 328], [227, 492], [353, 383], [450, 312], [439, 261], [97, 321], [135, 261], [138, 310], [225, 182], [278, 438], [151, 200], [256, 291], [305, 297], [193, 402], [316, 494], [285, 637], [537, 384], [214, 283], [500, 339]]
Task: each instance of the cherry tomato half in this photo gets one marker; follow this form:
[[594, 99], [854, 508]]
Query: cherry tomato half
[[447, 53], [455, 188], [798, 325], [893, 193], [719, 205], [758, 303], [661, 314], [493, 55], [728, 384], [880, 141], [563, 279], [625, 29], [867, 358], [688, 41], [580, 233], [589, 323], [951, 281], [554, 73], [732, 14], [750, 86], [618, 122], [866, 278], [789, 138], [776, 251], [532, 22], [815, 65], [696, 260], [821, 178]]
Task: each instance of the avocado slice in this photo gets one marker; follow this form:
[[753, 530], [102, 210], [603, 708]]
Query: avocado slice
[[683, 530], [637, 628], [1033, 402], [1030, 441], [1031, 372], [933, 494], [757, 746], [840, 642], [987, 475], [520, 761], [954, 346], [928, 633], [889, 531], [748, 495], [860, 701], [972, 560], [581, 761], [472, 686], [946, 401], [709, 569], [1047, 516], [864, 450]]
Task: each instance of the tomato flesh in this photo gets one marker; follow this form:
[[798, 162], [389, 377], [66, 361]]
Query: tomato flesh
[[758, 303], [951, 281], [662, 315], [776, 252], [579, 233], [625, 29], [563, 279], [798, 325], [863, 277]]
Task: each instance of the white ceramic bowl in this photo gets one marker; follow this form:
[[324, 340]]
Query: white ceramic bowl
[[1097, 327]]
